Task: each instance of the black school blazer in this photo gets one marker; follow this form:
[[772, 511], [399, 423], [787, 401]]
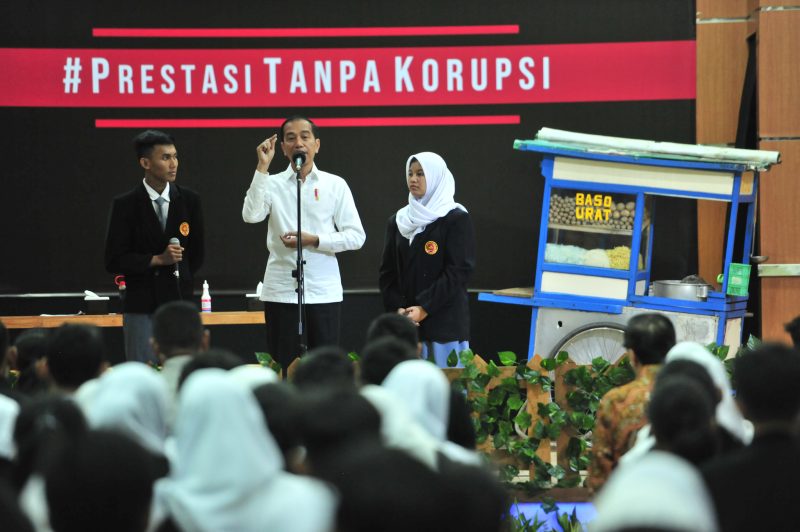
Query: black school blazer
[[134, 235]]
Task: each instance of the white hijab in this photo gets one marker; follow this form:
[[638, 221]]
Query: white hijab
[[661, 490], [228, 472], [437, 201], [728, 414], [131, 399], [253, 375], [398, 428], [9, 410], [425, 392]]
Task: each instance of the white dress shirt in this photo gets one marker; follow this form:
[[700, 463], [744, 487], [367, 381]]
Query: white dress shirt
[[328, 211]]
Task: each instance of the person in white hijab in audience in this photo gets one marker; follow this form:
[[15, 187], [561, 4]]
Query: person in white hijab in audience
[[132, 399], [425, 391], [253, 375], [398, 428], [9, 409], [728, 415], [228, 471], [661, 491]]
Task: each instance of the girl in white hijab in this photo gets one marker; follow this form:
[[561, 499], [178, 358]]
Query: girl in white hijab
[[425, 392], [132, 399], [428, 257], [228, 472]]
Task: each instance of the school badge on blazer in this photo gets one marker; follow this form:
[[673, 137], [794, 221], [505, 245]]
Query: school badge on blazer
[[431, 247], [184, 228]]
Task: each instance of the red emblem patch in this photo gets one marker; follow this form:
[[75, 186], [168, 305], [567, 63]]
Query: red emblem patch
[[184, 229], [431, 247]]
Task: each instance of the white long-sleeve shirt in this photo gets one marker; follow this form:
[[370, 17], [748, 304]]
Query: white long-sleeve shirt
[[328, 211]]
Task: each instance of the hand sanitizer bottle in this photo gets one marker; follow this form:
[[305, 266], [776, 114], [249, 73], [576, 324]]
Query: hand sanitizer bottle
[[205, 299]]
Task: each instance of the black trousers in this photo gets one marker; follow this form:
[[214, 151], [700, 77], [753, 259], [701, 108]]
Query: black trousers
[[322, 326]]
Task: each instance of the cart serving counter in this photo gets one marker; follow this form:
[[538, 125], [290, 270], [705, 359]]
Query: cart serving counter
[[593, 267]]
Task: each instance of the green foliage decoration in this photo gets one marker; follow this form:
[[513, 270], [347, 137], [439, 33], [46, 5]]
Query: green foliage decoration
[[500, 414]]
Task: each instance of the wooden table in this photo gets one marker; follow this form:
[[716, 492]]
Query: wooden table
[[115, 320]]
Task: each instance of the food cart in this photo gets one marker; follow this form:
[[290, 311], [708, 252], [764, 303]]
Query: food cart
[[594, 261]]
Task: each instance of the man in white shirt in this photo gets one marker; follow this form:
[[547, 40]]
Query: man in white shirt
[[330, 224]]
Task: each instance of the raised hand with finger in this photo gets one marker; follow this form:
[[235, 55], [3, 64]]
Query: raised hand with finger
[[265, 152]]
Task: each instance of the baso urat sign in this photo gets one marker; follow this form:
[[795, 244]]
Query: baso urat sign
[[341, 77]]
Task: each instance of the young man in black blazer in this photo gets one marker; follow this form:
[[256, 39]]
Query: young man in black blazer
[[141, 224]]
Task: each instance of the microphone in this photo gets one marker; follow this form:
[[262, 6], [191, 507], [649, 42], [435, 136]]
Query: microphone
[[299, 159], [175, 242]]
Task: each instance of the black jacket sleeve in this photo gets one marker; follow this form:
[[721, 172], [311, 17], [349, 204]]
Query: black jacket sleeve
[[121, 255], [389, 274]]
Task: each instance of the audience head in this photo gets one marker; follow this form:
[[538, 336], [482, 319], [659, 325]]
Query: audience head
[[76, 354], [425, 391], [691, 370], [178, 330], [416, 498], [280, 404], [253, 375], [659, 493], [381, 356], [395, 326], [29, 349], [333, 418], [766, 383], [213, 358], [9, 410], [324, 366], [728, 415], [483, 502], [228, 471], [130, 399], [100, 481], [793, 328], [681, 414], [40, 422], [649, 336]]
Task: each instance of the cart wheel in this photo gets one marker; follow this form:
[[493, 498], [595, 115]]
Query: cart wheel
[[591, 341]]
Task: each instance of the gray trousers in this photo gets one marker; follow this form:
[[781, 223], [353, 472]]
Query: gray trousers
[[138, 329]]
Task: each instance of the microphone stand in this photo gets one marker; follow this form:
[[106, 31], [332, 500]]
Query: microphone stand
[[299, 273]]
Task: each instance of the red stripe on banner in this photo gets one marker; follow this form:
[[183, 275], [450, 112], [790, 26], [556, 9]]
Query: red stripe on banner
[[347, 77], [174, 123], [406, 31]]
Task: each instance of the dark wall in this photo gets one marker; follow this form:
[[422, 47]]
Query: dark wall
[[60, 172]]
